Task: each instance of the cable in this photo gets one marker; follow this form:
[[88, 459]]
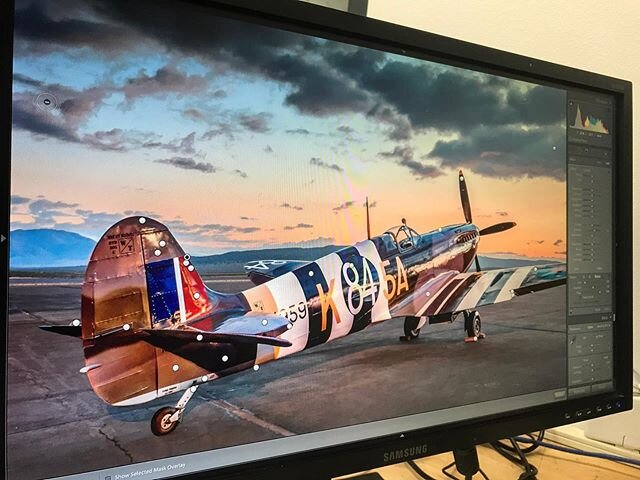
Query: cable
[[605, 456], [516, 454], [421, 473]]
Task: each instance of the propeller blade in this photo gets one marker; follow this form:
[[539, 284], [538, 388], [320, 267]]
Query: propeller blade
[[497, 228], [477, 264], [464, 198]]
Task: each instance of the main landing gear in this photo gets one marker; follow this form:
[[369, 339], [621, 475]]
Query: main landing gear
[[166, 419], [411, 329], [473, 326]]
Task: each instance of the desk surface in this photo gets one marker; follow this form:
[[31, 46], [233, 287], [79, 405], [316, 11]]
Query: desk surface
[[552, 465]]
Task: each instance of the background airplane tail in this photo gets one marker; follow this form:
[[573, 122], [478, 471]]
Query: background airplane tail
[[138, 278]]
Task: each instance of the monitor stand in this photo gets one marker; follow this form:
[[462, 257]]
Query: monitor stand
[[466, 462]]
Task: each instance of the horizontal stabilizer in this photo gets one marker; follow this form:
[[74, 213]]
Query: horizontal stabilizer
[[195, 336], [261, 271], [70, 330]]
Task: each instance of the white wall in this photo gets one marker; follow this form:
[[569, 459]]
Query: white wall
[[595, 35]]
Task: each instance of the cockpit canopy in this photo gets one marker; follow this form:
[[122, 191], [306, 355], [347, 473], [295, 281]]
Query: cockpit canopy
[[402, 236]]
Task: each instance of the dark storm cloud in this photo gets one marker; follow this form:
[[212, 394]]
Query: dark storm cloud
[[208, 230], [404, 156], [288, 205], [41, 124], [506, 152], [184, 145], [321, 163], [72, 109], [47, 28], [240, 173], [346, 129], [221, 130], [447, 99], [187, 163], [344, 206], [539, 105], [299, 131], [403, 98], [194, 114], [405, 153], [268, 149], [19, 200], [258, 123], [247, 218], [299, 225], [115, 139], [165, 80], [502, 214]]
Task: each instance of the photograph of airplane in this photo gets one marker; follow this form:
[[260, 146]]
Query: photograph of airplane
[[150, 327], [200, 206]]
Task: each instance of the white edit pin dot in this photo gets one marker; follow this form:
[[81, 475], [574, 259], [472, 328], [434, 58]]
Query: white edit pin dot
[[176, 368], [142, 220]]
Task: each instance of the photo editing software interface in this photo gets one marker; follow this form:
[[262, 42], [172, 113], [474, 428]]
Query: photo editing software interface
[[232, 242]]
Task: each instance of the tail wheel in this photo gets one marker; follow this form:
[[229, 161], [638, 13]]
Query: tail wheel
[[161, 423], [473, 324], [411, 330]]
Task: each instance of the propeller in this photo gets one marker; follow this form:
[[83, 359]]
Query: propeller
[[464, 198], [497, 228], [466, 208]]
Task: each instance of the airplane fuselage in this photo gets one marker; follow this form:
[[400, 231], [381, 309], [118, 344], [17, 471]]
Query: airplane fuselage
[[331, 297]]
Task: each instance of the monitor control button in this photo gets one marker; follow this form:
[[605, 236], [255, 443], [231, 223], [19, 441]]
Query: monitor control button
[[599, 409], [579, 414], [608, 406], [567, 415], [2, 238]]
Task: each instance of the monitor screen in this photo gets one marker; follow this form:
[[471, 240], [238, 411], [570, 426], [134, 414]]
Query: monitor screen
[[231, 241]]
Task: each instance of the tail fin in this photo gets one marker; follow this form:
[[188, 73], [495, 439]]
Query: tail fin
[[138, 278]]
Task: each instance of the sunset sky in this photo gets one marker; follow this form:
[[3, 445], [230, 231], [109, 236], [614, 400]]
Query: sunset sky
[[238, 136]]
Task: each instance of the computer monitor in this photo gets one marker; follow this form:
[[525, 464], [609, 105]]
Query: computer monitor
[[251, 239]]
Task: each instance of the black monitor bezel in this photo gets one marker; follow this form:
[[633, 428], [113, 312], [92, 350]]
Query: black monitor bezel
[[311, 19]]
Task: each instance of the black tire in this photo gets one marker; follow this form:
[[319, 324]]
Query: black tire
[[411, 330], [473, 324], [160, 423]]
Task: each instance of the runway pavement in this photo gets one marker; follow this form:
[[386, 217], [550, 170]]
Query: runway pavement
[[58, 426]]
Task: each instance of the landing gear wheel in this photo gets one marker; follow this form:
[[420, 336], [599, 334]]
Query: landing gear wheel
[[411, 330], [161, 423], [473, 326]]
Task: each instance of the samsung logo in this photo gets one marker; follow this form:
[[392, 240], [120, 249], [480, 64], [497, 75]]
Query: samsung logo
[[405, 453]]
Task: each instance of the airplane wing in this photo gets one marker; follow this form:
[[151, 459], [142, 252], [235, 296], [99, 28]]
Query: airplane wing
[[454, 292], [261, 271], [252, 327]]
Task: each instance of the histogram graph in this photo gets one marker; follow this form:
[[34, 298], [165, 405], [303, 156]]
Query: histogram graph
[[589, 122]]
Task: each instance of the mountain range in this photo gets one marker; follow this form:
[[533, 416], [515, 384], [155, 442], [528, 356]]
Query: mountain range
[[62, 251]]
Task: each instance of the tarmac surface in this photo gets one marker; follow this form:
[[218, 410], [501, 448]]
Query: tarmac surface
[[58, 426]]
